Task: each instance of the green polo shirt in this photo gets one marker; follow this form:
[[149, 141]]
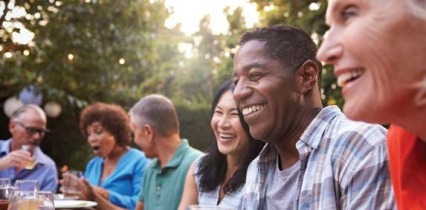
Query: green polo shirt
[[163, 187]]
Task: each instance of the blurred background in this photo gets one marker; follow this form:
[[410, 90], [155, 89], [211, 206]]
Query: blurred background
[[64, 55]]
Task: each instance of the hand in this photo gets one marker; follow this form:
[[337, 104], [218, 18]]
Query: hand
[[94, 193], [87, 192], [101, 191], [17, 158], [71, 185]]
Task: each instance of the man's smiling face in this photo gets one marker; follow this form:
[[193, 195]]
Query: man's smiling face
[[265, 92]]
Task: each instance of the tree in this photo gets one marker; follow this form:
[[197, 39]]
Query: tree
[[93, 50], [212, 58]]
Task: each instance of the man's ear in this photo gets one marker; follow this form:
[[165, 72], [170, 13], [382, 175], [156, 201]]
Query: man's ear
[[307, 76], [148, 131], [12, 126]]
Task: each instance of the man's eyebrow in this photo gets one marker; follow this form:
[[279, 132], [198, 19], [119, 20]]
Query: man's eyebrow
[[254, 65], [250, 66]]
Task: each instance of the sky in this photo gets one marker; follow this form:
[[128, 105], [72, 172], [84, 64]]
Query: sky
[[190, 12]]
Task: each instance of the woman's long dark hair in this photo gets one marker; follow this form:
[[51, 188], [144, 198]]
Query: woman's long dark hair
[[213, 165]]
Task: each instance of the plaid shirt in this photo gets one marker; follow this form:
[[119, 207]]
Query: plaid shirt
[[343, 166]]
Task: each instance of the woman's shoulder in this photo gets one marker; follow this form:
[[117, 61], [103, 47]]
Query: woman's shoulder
[[200, 159], [133, 153], [95, 162], [133, 160]]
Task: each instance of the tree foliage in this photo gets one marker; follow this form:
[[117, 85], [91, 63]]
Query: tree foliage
[[211, 61], [85, 51]]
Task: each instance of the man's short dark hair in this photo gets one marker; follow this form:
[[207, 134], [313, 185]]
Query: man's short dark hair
[[290, 45]]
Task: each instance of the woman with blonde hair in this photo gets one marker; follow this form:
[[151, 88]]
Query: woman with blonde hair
[[378, 50]]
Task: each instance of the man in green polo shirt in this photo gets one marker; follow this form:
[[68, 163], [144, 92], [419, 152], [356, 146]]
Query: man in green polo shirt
[[155, 125]]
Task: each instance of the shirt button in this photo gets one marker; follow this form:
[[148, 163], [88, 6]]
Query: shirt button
[[158, 187]]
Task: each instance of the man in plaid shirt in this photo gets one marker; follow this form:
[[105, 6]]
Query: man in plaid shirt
[[315, 157]]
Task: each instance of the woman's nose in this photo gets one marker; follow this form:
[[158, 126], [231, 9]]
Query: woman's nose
[[90, 137], [223, 122], [330, 50]]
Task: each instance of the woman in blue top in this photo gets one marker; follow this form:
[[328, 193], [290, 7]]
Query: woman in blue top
[[116, 172]]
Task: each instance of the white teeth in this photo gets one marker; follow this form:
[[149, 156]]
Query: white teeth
[[254, 108], [226, 135], [346, 77]]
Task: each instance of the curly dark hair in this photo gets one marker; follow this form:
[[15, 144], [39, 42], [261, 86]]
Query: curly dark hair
[[112, 117], [290, 45], [213, 165]]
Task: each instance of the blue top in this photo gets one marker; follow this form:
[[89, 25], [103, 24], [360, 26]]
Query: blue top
[[124, 183], [44, 172]]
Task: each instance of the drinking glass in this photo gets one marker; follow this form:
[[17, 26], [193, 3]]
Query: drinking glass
[[46, 200], [29, 148], [26, 185], [32, 200], [24, 200], [71, 184], [5, 193]]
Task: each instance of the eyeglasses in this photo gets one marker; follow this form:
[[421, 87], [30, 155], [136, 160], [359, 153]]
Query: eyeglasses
[[31, 130]]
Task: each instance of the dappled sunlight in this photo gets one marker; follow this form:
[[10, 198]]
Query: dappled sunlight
[[188, 13]]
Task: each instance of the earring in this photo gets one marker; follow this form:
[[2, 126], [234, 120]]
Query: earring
[[420, 98]]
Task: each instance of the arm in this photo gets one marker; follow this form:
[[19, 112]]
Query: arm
[[17, 158], [139, 206], [129, 201], [367, 185], [50, 182], [190, 192], [103, 204], [100, 191], [122, 200]]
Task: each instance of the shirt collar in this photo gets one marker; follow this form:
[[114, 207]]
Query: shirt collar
[[314, 132], [312, 136], [268, 153], [4, 148], [177, 156]]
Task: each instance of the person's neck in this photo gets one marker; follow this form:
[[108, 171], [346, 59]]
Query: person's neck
[[414, 121], [116, 153], [166, 148], [287, 151], [232, 164], [13, 145]]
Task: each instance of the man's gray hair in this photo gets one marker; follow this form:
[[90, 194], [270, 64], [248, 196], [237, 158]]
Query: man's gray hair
[[158, 111], [18, 112]]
